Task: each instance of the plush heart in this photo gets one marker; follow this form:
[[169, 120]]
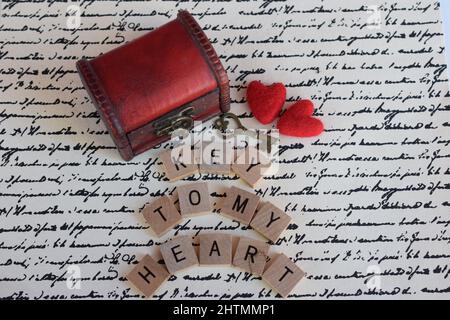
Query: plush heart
[[297, 121], [265, 101], [302, 108]]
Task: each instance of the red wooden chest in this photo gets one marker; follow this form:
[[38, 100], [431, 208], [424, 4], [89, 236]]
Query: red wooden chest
[[161, 81]]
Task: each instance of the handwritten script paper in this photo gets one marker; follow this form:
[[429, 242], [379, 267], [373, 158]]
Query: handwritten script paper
[[369, 198]]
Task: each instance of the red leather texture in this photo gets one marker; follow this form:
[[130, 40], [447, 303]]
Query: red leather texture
[[154, 74], [205, 107], [138, 83]]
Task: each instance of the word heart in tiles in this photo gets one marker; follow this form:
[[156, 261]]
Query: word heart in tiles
[[251, 255]]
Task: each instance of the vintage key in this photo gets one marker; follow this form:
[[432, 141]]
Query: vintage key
[[266, 141]]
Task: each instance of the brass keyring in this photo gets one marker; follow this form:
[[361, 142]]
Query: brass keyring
[[222, 124]]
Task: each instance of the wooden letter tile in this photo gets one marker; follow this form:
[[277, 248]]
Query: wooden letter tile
[[215, 159], [179, 254], [220, 169], [270, 221], [240, 205], [179, 163], [194, 198], [174, 198], [283, 274], [251, 166], [215, 249], [148, 275], [251, 255], [161, 215]]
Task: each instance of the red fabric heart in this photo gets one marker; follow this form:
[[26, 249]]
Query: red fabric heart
[[303, 108], [265, 101], [297, 121]]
